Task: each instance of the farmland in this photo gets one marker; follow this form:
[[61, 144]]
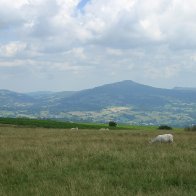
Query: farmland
[[43, 161]]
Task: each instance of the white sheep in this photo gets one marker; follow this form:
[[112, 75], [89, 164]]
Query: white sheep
[[165, 138], [104, 129], [74, 128]]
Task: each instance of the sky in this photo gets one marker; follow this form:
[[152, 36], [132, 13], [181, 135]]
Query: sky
[[60, 45]]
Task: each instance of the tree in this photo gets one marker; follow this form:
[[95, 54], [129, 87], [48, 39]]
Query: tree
[[165, 127], [112, 124]]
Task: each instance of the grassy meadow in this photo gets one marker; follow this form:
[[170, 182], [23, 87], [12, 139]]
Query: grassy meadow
[[35, 123], [41, 161]]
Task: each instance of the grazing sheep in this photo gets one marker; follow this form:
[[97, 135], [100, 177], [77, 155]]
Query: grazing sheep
[[104, 129], [74, 129], [165, 138]]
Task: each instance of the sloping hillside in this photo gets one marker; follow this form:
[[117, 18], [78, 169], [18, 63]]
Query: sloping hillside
[[9, 99], [123, 94], [126, 102]]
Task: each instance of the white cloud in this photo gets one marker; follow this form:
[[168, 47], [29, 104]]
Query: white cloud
[[165, 72], [125, 36], [114, 52], [11, 64], [15, 4], [12, 49]]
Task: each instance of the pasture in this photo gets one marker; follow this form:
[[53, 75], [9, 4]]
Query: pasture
[[41, 161]]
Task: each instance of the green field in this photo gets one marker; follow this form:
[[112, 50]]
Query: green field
[[41, 161], [26, 122]]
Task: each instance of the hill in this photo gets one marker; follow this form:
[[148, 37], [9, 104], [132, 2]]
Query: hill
[[12, 100], [123, 93], [185, 88], [125, 102]]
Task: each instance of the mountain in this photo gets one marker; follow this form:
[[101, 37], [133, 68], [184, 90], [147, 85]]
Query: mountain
[[9, 99], [125, 101], [50, 94], [122, 94], [185, 88], [49, 99]]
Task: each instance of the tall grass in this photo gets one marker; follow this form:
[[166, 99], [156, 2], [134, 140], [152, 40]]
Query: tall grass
[[37, 161], [190, 128]]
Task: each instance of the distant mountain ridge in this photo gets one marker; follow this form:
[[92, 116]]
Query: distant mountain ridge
[[11, 99], [185, 88], [121, 94], [125, 102]]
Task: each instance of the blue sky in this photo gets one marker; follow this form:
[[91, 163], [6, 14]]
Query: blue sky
[[61, 45], [81, 5]]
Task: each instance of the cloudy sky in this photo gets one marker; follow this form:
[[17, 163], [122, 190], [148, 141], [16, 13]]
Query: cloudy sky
[[76, 44]]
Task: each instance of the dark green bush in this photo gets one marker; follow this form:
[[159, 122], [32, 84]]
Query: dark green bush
[[164, 127], [112, 124]]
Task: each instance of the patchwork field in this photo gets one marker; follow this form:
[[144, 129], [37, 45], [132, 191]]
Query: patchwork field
[[40, 161]]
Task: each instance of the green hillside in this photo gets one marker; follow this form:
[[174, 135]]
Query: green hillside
[[125, 102], [33, 123]]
